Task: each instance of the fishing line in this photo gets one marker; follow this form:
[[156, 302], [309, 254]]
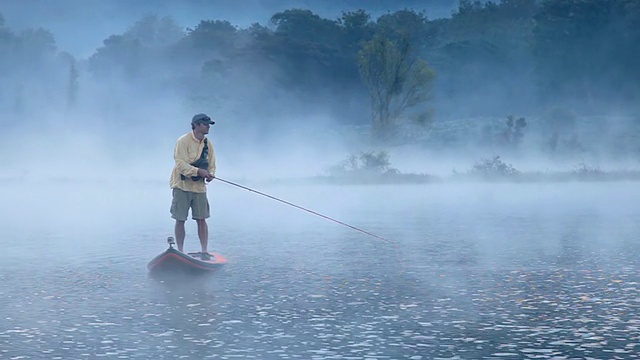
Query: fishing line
[[307, 210], [395, 246]]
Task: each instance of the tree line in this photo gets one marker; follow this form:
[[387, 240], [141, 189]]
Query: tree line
[[488, 58]]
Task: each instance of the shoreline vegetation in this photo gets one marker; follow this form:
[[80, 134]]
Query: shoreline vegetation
[[567, 155], [375, 168], [572, 151], [493, 170], [485, 171], [524, 177]]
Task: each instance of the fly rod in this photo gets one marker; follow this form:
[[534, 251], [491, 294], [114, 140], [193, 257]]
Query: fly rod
[[305, 209]]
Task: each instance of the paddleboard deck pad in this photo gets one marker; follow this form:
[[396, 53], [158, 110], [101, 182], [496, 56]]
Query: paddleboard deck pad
[[174, 260]]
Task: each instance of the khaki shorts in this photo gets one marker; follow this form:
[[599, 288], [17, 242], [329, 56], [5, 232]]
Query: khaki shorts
[[183, 200]]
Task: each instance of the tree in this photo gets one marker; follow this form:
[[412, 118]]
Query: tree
[[305, 26], [483, 56], [397, 81], [405, 24], [8, 41], [513, 134], [138, 52], [72, 81], [213, 36], [36, 46], [120, 55], [566, 35], [310, 50], [559, 124], [154, 32], [357, 28]]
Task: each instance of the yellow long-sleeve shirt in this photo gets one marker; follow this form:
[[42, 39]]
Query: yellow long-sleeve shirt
[[188, 149]]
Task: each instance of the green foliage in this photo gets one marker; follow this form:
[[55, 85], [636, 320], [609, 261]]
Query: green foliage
[[496, 170], [155, 32], [404, 25], [356, 28], [397, 81], [31, 74], [366, 163], [477, 12], [372, 161], [308, 52], [565, 36], [35, 48], [503, 27], [483, 53], [514, 131], [371, 168], [136, 51], [120, 55], [582, 50], [305, 26], [508, 134], [213, 36], [493, 168], [355, 21]]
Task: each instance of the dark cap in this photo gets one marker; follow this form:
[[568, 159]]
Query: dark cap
[[202, 119]]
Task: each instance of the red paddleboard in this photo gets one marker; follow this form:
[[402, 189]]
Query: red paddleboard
[[174, 260]]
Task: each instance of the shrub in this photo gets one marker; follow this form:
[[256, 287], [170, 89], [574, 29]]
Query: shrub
[[514, 132], [376, 162], [365, 163], [493, 167], [584, 169]]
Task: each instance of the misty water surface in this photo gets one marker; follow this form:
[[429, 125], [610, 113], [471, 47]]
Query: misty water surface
[[471, 271]]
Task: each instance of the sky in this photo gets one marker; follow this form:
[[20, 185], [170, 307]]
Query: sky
[[80, 26]]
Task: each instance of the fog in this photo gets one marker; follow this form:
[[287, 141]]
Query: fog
[[526, 170], [117, 127], [119, 121]]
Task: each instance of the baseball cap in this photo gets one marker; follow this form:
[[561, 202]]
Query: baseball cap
[[202, 118]]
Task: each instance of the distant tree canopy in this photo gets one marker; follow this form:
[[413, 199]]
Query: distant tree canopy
[[397, 81], [391, 67], [584, 49], [213, 37], [130, 55], [488, 58], [32, 72]]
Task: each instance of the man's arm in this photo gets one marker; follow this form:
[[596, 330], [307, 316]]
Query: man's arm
[[212, 160]]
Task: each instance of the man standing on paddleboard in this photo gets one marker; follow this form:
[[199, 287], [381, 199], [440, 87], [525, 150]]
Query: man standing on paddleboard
[[195, 163]]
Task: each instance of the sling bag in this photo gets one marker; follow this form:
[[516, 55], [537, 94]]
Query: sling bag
[[201, 163]]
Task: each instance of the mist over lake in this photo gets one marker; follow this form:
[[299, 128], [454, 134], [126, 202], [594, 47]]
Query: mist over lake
[[396, 179], [472, 271]]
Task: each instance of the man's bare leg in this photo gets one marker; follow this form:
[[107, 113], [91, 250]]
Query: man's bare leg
[[180, 233], [203, 234]]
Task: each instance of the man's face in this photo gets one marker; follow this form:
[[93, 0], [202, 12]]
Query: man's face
[[202, 128]]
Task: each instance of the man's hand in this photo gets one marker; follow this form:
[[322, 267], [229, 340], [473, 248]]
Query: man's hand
[[204, 173]]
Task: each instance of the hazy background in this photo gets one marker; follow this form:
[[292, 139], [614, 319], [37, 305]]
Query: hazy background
[[108, 86], [94, 94]]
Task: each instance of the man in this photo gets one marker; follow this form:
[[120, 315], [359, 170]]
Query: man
[[195, 163]]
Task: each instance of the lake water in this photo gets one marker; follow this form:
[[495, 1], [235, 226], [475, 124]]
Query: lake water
[[470, 271]]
